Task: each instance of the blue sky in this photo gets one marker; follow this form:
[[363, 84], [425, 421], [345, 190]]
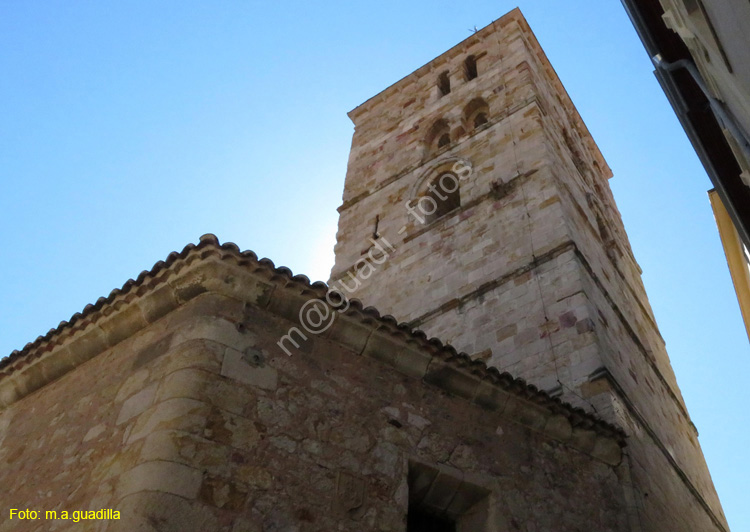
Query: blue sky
[[129, 129]]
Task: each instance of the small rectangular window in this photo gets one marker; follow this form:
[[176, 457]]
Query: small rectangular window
[[444, 83], [470, 68]]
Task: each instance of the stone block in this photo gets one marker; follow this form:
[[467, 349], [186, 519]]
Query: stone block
[[412, 362], [222, 493], [137, 403], [559, 428], [246, 368], [179, 414], [173, 513], [231, 429], [452, 379], [123, 323], [161, 476], [491, 397], [607, 450], [158, 303], [214, 329], [350, 332]]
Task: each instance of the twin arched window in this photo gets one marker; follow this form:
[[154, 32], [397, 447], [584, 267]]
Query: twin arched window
[[439, 136], [475, 115]]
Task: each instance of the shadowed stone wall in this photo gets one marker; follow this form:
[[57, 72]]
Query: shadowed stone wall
[[198, 421]]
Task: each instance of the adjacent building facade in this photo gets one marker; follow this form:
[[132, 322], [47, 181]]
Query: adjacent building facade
[[701, 51]]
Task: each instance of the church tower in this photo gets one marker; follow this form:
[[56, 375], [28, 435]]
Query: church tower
[[477, 209]]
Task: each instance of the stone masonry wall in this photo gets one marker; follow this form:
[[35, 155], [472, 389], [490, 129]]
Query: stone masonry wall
[[97, 437], [533, 273], [199, 421], [631, 346]]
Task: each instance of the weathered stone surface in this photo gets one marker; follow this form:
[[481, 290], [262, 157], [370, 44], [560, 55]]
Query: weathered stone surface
[[328, 446], [177, 406], [530, 268], [249, 368], [165, 477], [137, 403]]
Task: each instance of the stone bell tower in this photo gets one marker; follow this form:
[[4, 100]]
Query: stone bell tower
[[477, 208]]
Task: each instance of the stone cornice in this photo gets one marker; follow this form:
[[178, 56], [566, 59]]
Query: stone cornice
[[224, 269]]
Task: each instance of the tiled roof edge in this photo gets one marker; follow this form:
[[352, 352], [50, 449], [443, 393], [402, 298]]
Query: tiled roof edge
[[446, 353]]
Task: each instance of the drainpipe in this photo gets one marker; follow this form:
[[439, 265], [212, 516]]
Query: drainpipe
[[727, 120]]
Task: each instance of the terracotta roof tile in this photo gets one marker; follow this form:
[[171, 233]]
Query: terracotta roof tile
[[447, 353]]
